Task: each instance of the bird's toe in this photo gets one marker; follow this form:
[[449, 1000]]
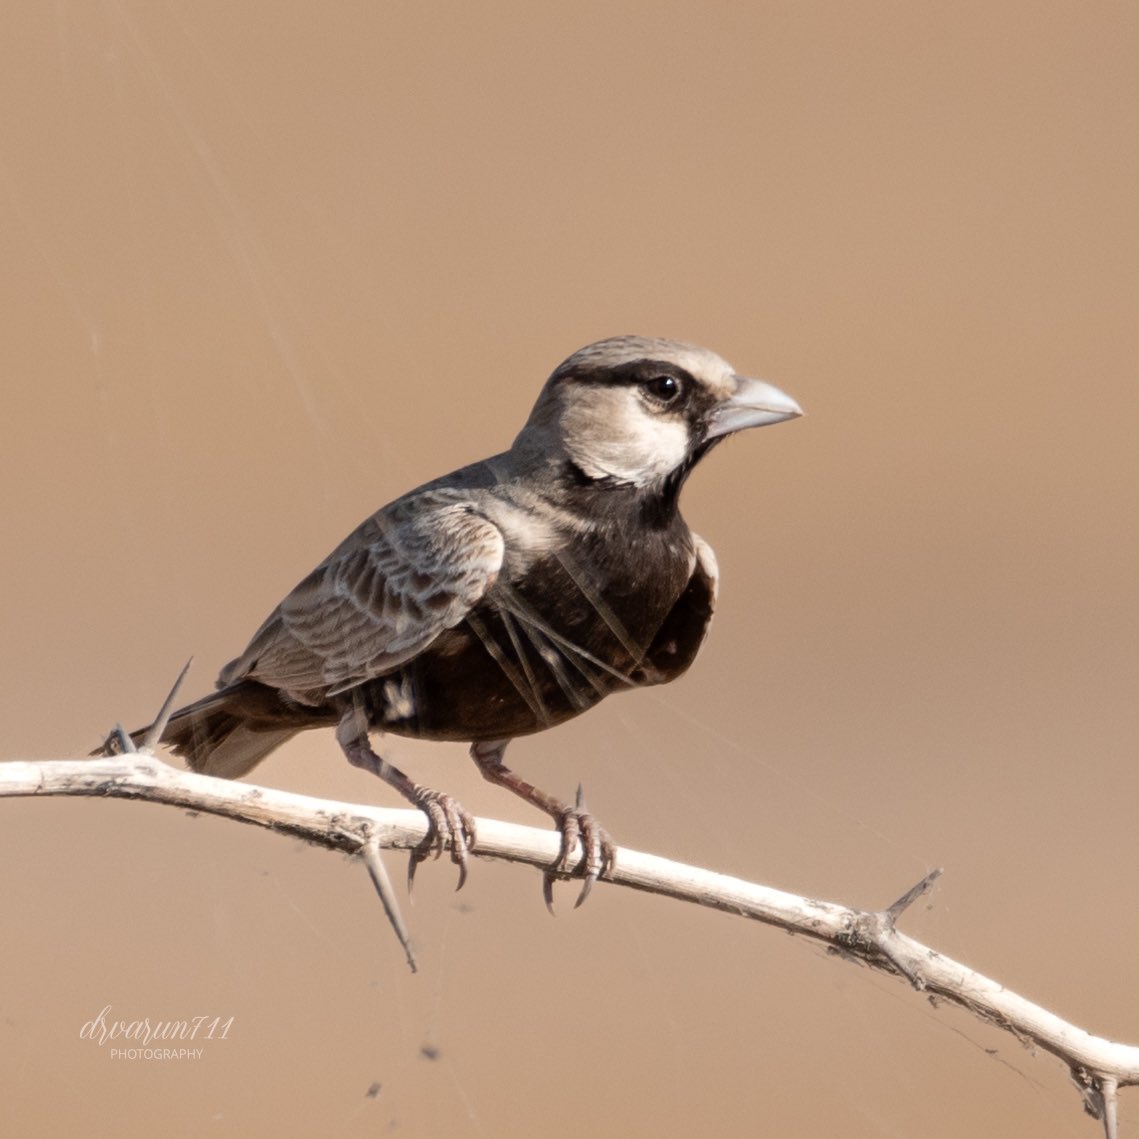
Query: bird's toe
[[598, 854], [450, 826]]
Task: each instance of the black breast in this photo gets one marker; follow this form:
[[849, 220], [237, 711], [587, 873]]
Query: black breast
[[574, 627]]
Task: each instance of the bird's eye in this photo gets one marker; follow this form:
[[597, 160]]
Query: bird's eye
[[663, 389]]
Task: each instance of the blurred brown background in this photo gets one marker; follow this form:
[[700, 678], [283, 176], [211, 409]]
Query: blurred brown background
[[266, 266]]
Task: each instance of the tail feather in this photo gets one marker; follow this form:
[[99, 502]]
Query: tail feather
[[219, 741], [230, 731]]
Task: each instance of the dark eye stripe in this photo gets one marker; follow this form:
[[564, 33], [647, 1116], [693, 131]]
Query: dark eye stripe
[[638, 372]]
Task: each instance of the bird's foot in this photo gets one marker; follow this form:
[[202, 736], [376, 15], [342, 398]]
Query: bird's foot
[[449, 826], [599, 852]]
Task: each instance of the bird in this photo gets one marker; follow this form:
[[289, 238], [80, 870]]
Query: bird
[[504, 598]]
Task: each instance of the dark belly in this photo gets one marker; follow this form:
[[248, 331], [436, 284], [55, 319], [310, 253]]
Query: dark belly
[[461, 690], [527, 659]]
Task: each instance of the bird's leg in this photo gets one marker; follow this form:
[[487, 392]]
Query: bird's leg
[[450, 824], [599, 854]]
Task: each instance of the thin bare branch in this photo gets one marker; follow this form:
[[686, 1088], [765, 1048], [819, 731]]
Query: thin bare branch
[[1099, 1066]]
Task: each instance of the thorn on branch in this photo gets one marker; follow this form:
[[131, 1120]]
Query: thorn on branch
[[1109, 1087], [868, 936], [370, 853], [899, 907], [154, 732], [124, 745], [1101, 1098]]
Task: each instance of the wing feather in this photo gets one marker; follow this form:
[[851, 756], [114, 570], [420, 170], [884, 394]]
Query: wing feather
[[384, 595]]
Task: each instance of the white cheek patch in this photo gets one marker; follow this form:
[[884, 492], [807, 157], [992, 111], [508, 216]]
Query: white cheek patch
[[617, 437]]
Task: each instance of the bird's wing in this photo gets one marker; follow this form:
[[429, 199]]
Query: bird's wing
[[708, 570], [405, 576], [679, 638]]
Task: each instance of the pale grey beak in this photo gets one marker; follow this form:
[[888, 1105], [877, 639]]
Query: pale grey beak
[[752, 404]]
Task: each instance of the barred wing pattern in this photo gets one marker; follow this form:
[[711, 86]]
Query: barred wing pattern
[[404, 577]]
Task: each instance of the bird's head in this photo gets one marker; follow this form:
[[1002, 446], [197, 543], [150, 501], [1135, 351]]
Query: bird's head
[[637, 411]]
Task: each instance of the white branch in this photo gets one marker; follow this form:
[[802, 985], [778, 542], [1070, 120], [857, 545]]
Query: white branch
[[1098, 1066]]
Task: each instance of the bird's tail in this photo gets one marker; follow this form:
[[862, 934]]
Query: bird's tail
[[230, 731]]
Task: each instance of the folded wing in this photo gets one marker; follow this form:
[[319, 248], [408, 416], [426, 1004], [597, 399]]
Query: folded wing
[[400, 580]]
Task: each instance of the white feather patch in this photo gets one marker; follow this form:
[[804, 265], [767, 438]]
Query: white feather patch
[[612, 434]]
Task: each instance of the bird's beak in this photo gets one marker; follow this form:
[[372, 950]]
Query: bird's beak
[[752, 404]]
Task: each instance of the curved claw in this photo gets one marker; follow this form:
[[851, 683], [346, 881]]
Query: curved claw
[[600, 851], [599, 854], [448, 825]]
